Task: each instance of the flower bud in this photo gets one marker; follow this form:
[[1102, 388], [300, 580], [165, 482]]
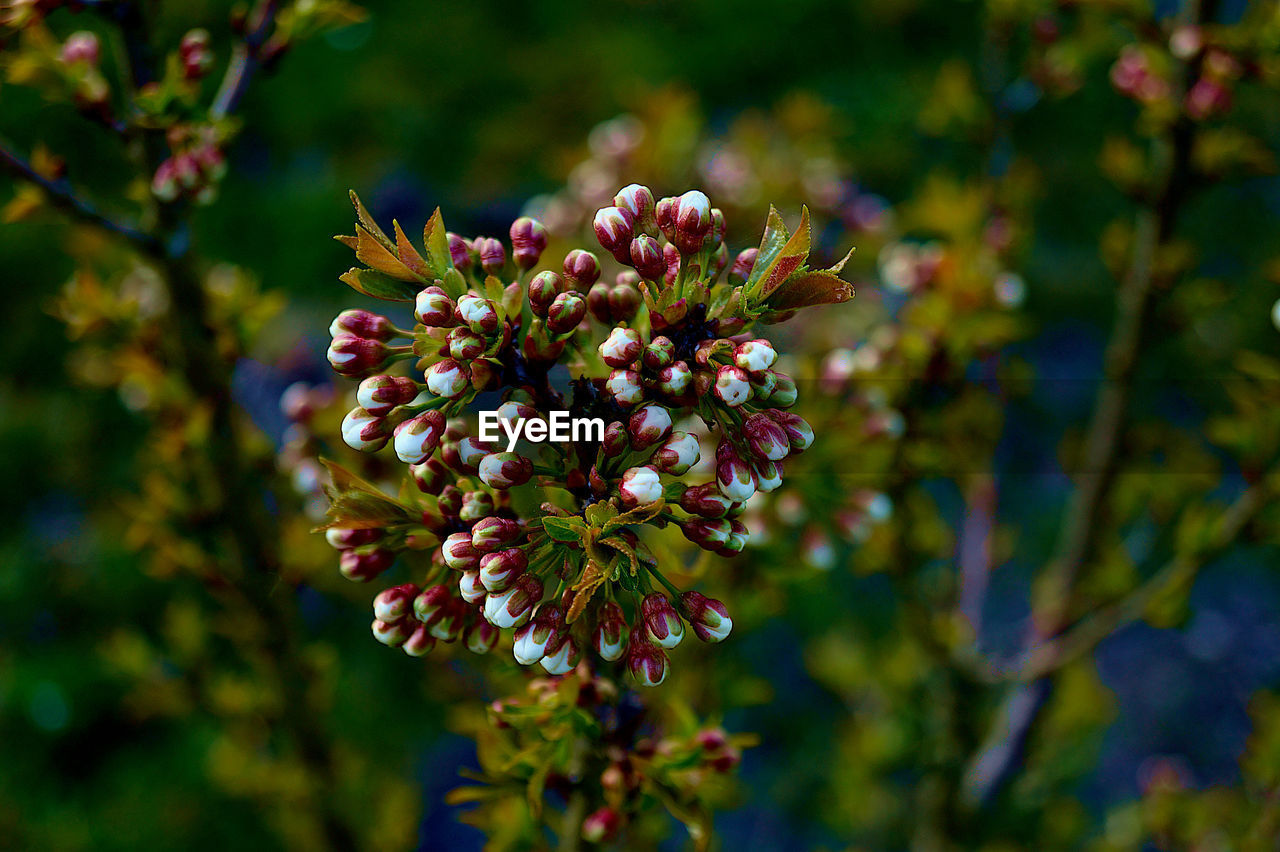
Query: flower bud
[[742, 266], [364, 324], [513, 607], [640, 486], [465, 345], [493, 256], [448, 379], [614, 227], [475, 506], [471, 588], [638, 201], [679, 453], [450, 499], [543, 290], [528, 241], [490, 534], [356, 357], [433, 308], [664, 216], [763, 384], [563, 657], [194, 53], [505, 470], [708, 616], [768, 475], [675, 378], [478, 313], [428, 476], [799, 433], [733, 386], [707, 533], [420, 642], [459, 252], [609, 636], [621, 348], [345, 539], [646, 257], [598, 302], [481, 637], [447, 626], [393, 634], [534, 639], [647, 663], [379, 394], [430, 604], [601, 825], [735, 478], [566, 311], [649, 425], [364, 432], [417, 438], [616, 440], [625, 387], [755, 355], [692, 221], [394, 603], [737, 540], [766, 438], [624, 301], [363, 567], [705, 501], [659, 353], [581, 269], [82, 46], [784, 393], [661, 620], [498, 570], [458, 552]]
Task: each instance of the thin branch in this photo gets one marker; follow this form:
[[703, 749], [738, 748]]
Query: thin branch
[[245, 60], [62, 196]]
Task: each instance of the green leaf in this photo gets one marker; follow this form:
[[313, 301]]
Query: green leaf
[[365, 218], [599, 514], [781, 255], [379, 286], [564, 530], [808, 289], [436, 241]]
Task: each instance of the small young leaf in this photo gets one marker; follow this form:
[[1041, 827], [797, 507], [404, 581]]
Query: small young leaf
[[810, 288], [366, 219], [379, 286], [436, 242], [375, 255], [564, 530]]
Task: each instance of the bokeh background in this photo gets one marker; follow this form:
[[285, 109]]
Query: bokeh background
[[882, 116]]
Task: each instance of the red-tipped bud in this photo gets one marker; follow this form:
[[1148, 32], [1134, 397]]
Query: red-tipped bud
[[464, 344], [799, 433], [364, 324], [431, 604], [475, 506], [363, 567], [491, 534], [493, 256], [471, 588], [448, 379], [394, 603], [707, 533], [82, 46], [345, 539], [458, 552], [646, 257], [357, 357], [675, 379], [717, 226], [429, 476], [528, 241], [540, 635], [766, 438], [742, 266], [755, 355], [705, 501], [610, 635], [566, 312], [622, 347], [364, 432], [481, 637], [459, 252], [659, 353], [784, 392], [480, 314], [417, 438], [614, 227], [638, 201], [602, 825], [708, 616], [433, 308], [649, 425], [768, 475], [664, 215], [661, 620], [498, 570], [625, 387], [624, 301], [677, 454], [640, 486], [616, 441], [671, 257], [447, 626], [692, 221], [379, 394], [735, 478], [420, 642], [393, 634], [513, 607], [505, 470], [563, 657], [581, 269], [646, 662], [543, 290], [598, 302], [733, 385]]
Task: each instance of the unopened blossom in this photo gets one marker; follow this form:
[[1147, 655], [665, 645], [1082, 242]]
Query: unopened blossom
[[481, 637], [640, 486], [505, 470], [646, 257], [81, 47], [491, 534], [362, 431], [610, 634], [625, 387], [418, 437], [528, 241], [755, 355], [581, 268], [705, 501], [734, 477], [601, 825], [431, 603], [394, 603], [562, 657], [677, 454], [534, 639], [356, 357], [393, 634], [458, 552], [566, 312], [661, 620], [648, 425], [420, 642], [360, 323], [638, 201], [363, 566], [614, 227], [708, 617], [733, 386], [799, 433], [478, 313], [622, 347], [707, 533], [514, 606], [646, 661], [692, 221], [498, 570], [742, 266], [379, 394], [675, 379], [345, 539], [768, 475], [543, 290], [766, 438], [471, 588], [447, 378]]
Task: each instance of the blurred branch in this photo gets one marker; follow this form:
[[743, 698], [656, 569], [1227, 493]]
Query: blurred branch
[[245, 60], [62, 196]]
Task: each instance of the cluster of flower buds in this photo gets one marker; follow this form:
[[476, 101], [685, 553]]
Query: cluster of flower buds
[[488, 320], [80, 58], [195, 55], [1140, 73], [192, 174]]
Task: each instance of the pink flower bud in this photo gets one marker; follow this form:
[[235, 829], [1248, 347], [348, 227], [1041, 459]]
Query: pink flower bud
[[345, 539], [755, 355], [647, 663], [464, 344], [621, 348], [581, 268], [447, 626], [671, 256], [708, 616], [610, 636], [543, 290], [493, 256], [513, 607], [528, 241], [563, 657], [459, 554], [733, 385], [356, 357], [417, 438], [433, 308], [763, 384], [363, 567], [616, 440], [784, 392], [707, 533], [649, 425], [450, 499], [478, 313], [659, 353], [195, 55], [717, 227], [602, 825], [448, 379], [742, 266], [735, 478], [799, 433], [498, 570], [420, 642], [459, 252], [640, 486], [679, 453], [566, 312], [505, 470], [766, 438], [430, 604], [692, 220], [394, 603], [83, 47], [664, 216], [538, 636], [675, 378], [624, 301], [481, 637], [661, 620], [490, 534], [638, 201], [475, 506], [768, 476], [364, 324], [379, 394], [471, 588], [646, 257], [614, 227], [429, 476], [392, 634], [364, 432], [705, 501], [625, 387]]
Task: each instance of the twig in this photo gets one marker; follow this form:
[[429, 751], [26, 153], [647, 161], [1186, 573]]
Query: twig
[[245, 60], [62, 196]]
